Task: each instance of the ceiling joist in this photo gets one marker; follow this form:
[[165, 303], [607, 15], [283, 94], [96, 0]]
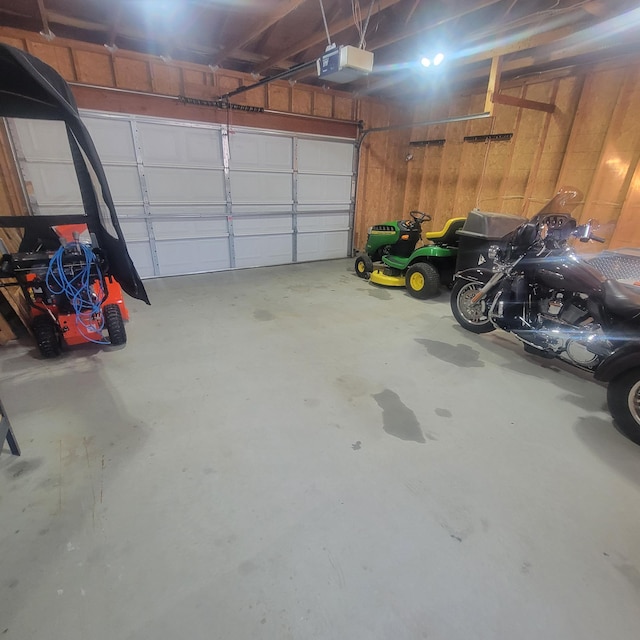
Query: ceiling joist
[[283, 10]]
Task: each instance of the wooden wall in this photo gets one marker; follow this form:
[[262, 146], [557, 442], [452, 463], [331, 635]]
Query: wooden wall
[[591, 141]]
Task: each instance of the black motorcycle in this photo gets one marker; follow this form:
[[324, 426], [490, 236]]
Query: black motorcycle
[[559, 305]]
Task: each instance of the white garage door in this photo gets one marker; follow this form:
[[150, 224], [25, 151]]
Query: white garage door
[[195, 197]]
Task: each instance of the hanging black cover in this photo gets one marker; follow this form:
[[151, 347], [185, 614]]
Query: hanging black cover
[[29, 88]]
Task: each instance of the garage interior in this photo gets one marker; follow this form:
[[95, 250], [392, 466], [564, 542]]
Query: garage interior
[[282, 449]]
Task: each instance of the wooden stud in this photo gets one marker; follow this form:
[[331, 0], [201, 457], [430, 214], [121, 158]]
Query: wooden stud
[[494, 84]]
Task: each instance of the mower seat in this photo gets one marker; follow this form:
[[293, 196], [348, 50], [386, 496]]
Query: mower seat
[[447, 236]]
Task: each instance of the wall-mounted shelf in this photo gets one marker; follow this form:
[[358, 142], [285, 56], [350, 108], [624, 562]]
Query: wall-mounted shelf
[[427, 143], [492, 137]]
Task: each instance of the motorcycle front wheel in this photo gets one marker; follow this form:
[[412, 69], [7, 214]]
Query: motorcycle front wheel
[[623, 398], [472, 316]]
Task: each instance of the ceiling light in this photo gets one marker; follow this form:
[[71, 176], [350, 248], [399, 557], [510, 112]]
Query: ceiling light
[[425, 62], [438, 58]]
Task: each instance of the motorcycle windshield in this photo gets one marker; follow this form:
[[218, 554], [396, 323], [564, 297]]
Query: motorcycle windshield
[[564, 202]]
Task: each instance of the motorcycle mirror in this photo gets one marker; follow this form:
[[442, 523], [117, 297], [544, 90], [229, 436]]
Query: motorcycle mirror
[[584, 231]]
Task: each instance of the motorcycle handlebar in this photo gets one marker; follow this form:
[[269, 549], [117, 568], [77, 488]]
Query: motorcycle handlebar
[[597, 239]]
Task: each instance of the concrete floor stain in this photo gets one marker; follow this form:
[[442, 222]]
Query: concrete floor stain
[[461, 355], [22, 467], [397, 419], [381, 294], [631, 573], [262, 314]]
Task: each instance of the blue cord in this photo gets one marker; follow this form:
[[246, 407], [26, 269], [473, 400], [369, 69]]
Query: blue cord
[[78, 289]]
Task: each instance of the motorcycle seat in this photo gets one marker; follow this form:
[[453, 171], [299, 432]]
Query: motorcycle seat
[[622, 299]]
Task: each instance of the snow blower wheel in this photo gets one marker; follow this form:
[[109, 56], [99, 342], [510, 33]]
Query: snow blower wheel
[[46, 335], [114, 324]]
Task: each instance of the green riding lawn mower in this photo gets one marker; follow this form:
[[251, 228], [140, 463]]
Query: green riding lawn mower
[[391, 258]]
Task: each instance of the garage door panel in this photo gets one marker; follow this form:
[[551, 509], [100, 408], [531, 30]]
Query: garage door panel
[[263, 251], [254, 187], [324, 189], [321, 156], [326, 208], [173, 144], [256, 151], [54, 184], [134, 230], [321, 246], [113, 139], [42, 140], [184, 229], [124, 183], [263, 209], [180, 185], [177, 257], [255, 225], [140, 253], [194, 209], [323, 222]]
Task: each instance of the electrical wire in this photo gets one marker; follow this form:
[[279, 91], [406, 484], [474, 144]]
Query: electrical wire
[[78, 289]]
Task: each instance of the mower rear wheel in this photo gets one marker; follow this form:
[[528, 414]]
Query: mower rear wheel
[[114, 324], [47, 336], [422, 280], [363, 266]]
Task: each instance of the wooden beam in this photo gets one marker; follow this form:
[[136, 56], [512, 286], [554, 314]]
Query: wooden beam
[[512, 101], [98, 27], [284, 9], [112, 34], [412, 11], [403, 35], [514, 46], [319, 37], [45, 21], [493, 88]]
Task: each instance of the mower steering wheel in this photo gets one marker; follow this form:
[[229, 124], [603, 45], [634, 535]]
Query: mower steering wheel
[[420, 216]]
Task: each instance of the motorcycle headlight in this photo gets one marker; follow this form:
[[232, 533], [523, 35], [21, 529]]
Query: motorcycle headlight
[[493, 252]]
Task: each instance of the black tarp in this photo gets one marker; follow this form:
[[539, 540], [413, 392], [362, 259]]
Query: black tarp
[[29, 88]]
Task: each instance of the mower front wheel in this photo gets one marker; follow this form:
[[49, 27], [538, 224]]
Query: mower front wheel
[[114, 324], [422, 280], [363, 266], [47, 336]]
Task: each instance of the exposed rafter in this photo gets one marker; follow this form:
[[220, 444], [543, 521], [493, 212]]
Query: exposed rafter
[[284, 9], [512, 45], [46, 31], [112, 34]]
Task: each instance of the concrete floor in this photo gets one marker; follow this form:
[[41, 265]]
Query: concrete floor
[[293, 452]]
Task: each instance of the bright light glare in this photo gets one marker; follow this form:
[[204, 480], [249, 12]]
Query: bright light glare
[[438, 59], [425, 62]]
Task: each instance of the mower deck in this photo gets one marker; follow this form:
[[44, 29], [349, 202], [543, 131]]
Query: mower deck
[[378, 276]]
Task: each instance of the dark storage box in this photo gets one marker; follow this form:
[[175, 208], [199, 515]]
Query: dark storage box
[[481, 230]]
